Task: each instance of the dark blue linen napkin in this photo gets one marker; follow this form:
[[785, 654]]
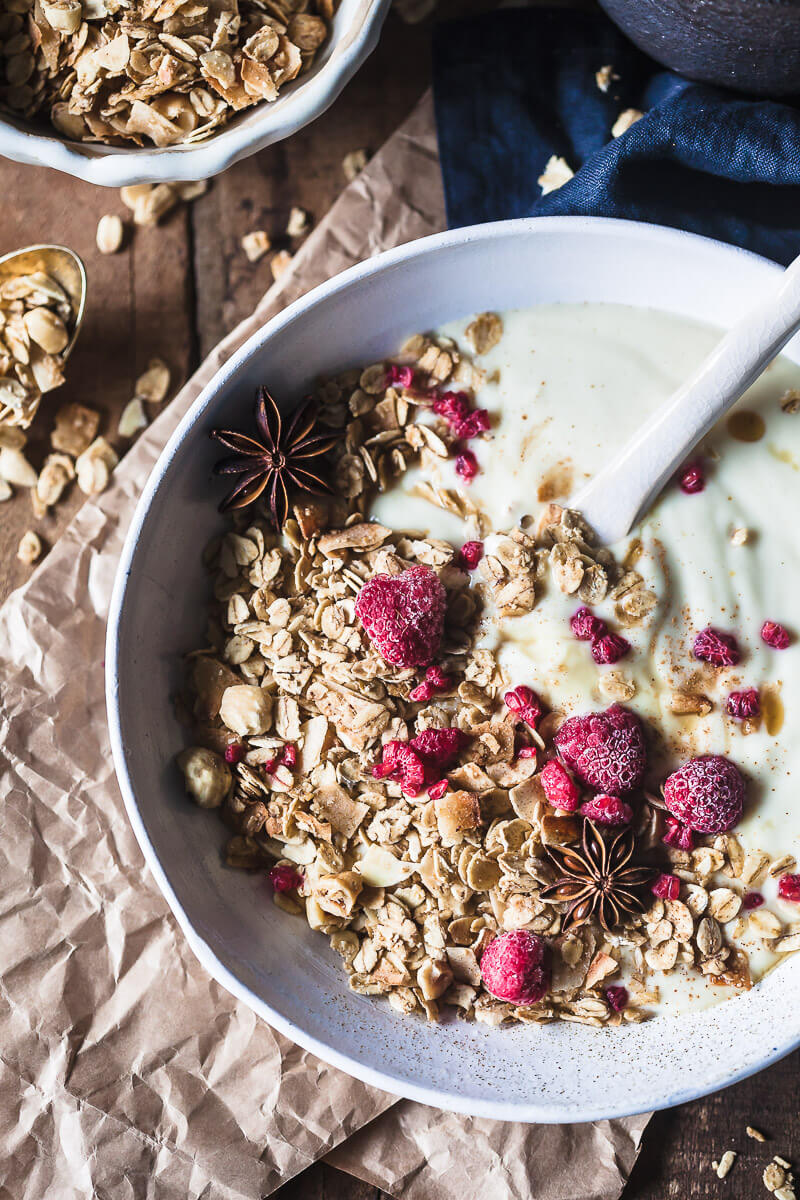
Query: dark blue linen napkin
[[514, 87]]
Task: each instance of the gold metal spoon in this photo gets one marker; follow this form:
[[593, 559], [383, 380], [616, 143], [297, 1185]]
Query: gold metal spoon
[[64, 266]]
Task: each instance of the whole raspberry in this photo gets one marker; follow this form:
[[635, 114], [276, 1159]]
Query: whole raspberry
[[605, 749], [693, 477], [234, 752], [775, 635], [716, 647], [667, 887], [706, 793], [403, 615], [469, 556], [439, 747], [607, 810], [525, 703], [397, 375], [617, 997], [610, 648], [399, 761], [752, 900], [586, 626], [744, 704], [560, 788], [467, 465], [515, 967], [789, 887], [434, 683], [678, 835], [284, 878]]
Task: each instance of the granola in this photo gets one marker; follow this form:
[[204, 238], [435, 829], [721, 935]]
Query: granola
[[296, 719], [36, 320], [144, 72]]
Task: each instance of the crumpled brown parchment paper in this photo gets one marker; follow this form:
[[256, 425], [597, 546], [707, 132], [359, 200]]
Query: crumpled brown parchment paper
[[125, 1071]]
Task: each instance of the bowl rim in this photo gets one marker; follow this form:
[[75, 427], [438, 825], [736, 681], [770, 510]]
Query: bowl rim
[[528, 1112], [123, 166]]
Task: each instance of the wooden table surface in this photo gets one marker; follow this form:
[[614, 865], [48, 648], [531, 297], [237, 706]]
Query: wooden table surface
[[173, 293]]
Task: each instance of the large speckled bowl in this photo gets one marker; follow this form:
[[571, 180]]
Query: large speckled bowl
[[270, 960]]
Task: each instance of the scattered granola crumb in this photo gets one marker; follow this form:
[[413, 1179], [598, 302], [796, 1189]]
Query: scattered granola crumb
[[725, 1163], [15, 468], [30, 548], [149, 202], [755, 1134], [774, 1176], [75, 428], [256, 244], [279, 263], [628, 117], [790, 400], [557, 172], [110, 232], [353, 164], [57, 472], [153, 384], [298, 223], [133, 418], [740, 536], [484, 332], [93, 468], [605, 76]]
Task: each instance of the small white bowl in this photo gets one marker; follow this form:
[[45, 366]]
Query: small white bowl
[[354, 35], [274, 962]]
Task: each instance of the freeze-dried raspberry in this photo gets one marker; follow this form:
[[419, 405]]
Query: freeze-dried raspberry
[[716, 647], [559, 787], [467, 465], [693, 477], [400, 761], [403, 615], [744, 704], [469, 556], [610, 648], [438, 789], [605, 749], [271, 764], [435, 683], [617, 997], [285, 879], [607, 810], [678, 835], [473, 425], [586, 626], [524, 702], [667, 887], [752, 900], [527, 751], [789, 887], [706, 793], [775, 635], [289, 756], [399, 376], [234, 753], [464, 421], [515, 967], [439, 747]]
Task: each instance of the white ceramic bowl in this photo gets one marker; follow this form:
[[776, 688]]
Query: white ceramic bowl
[[274, 962], [354, 35]]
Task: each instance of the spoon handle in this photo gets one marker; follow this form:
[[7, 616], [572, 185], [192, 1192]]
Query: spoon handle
[[622, 492]]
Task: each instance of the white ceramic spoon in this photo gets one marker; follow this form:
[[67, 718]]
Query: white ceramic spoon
[[622, 492]]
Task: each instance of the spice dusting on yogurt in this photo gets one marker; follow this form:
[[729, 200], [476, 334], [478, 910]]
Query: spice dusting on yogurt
[[510, 773]]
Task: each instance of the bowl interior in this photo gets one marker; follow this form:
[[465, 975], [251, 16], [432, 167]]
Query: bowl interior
[[273, 961]]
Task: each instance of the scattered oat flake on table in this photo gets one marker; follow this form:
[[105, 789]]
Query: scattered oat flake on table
[[755, 1134], [93, 468], [110, 231], [626, 118], [153, 384], [75, 428], [133, 418], [555, 175], [57, 472], [725, 1163], [280, 262], [605, 76], [15, 468], [30, 548], [298, 223], [353, 164], [256, 244]]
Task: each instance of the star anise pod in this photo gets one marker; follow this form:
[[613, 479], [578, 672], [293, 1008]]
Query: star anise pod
[[276, 463], [598, 879]]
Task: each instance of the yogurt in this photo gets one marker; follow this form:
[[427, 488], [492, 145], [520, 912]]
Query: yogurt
[[566, 386]]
